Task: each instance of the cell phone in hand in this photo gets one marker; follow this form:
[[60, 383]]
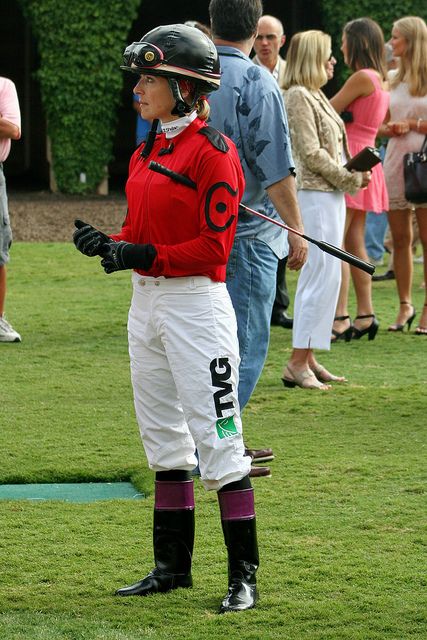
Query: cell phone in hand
[[364, 160]]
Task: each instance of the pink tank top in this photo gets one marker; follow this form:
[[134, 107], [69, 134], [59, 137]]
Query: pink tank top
[[368, 112]]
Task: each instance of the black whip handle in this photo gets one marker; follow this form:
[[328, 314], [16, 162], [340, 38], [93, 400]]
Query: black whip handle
[[343, 255], [325, 246], [178, 177]]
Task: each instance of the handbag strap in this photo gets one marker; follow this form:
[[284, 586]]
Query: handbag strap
[[424, 147]]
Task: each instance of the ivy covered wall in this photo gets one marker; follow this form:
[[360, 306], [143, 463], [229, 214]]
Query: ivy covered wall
[[80, 43]]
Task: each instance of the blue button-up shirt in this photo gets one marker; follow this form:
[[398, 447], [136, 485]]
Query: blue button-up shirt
[[248, 107]]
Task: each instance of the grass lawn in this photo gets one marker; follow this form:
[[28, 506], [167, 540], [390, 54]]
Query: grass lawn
[[341, 522]]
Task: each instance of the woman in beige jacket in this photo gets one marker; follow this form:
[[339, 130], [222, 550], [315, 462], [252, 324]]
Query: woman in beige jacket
[[320, 150]]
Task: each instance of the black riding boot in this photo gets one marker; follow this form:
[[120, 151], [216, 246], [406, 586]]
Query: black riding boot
[[239, 527], [173, 537]]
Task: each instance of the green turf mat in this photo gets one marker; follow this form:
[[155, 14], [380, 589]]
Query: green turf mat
[[71, 492]]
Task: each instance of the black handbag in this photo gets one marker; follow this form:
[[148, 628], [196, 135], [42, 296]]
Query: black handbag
[[415, 175]]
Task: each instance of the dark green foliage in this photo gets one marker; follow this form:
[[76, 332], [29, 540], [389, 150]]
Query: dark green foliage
[[80, 45]]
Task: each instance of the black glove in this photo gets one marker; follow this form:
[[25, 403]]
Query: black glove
[[87, 239], [125, 255]]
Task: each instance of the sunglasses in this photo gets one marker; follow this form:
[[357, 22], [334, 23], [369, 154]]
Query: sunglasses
[[270, 37]]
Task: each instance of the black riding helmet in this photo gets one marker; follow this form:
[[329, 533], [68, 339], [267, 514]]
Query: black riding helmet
[[176, 51]]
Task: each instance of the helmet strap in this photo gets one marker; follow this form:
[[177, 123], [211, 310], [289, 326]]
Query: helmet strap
[[181, 107]]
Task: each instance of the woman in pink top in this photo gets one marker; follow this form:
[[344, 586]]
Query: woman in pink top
[[366, 98]]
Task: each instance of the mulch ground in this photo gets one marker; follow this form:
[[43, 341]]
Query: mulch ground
[[48, 217]]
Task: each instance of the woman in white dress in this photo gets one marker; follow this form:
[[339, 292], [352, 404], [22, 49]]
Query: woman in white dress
[[407, 128], [320, 149]]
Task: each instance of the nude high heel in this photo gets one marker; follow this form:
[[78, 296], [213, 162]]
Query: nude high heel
[[304, 379], [323, 375]]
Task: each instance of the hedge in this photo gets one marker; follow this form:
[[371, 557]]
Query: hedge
[[80, 43]]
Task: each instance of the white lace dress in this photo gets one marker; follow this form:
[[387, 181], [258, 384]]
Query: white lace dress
[[402, 107]]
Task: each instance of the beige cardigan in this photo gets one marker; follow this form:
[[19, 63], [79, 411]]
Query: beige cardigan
[[318, 137]]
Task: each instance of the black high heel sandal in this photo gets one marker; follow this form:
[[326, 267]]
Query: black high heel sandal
[[409, 321], [342, 335], [420, 331], [371, 330]]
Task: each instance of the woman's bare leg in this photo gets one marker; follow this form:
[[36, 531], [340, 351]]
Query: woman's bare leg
[[422, 226], [342, 304], [400, 221], [355, 244]]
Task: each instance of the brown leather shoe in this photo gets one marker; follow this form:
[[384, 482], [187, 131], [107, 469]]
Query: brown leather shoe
[[260, 472], [260, 455]]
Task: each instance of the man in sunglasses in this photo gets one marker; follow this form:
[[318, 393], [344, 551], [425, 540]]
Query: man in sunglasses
[[270, 39]]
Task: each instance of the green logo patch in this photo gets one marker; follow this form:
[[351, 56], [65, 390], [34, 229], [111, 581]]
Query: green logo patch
[[226, 428]]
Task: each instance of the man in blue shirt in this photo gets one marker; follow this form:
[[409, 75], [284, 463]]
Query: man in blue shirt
[[249, 108]]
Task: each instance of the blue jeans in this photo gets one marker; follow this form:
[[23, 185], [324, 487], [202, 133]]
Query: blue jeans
[[375, 228], [5, 229], [251, 283]]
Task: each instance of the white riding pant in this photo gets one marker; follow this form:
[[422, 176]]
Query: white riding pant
[[184, 358]]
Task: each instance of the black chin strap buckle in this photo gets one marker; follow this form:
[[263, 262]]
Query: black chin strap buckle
[[181, 107]]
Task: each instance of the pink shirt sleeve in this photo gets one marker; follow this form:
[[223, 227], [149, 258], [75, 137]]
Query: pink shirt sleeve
[[9, 110]]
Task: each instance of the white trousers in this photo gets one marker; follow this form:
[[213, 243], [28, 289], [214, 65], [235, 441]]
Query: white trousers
[[316, 297], [184, 357]]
